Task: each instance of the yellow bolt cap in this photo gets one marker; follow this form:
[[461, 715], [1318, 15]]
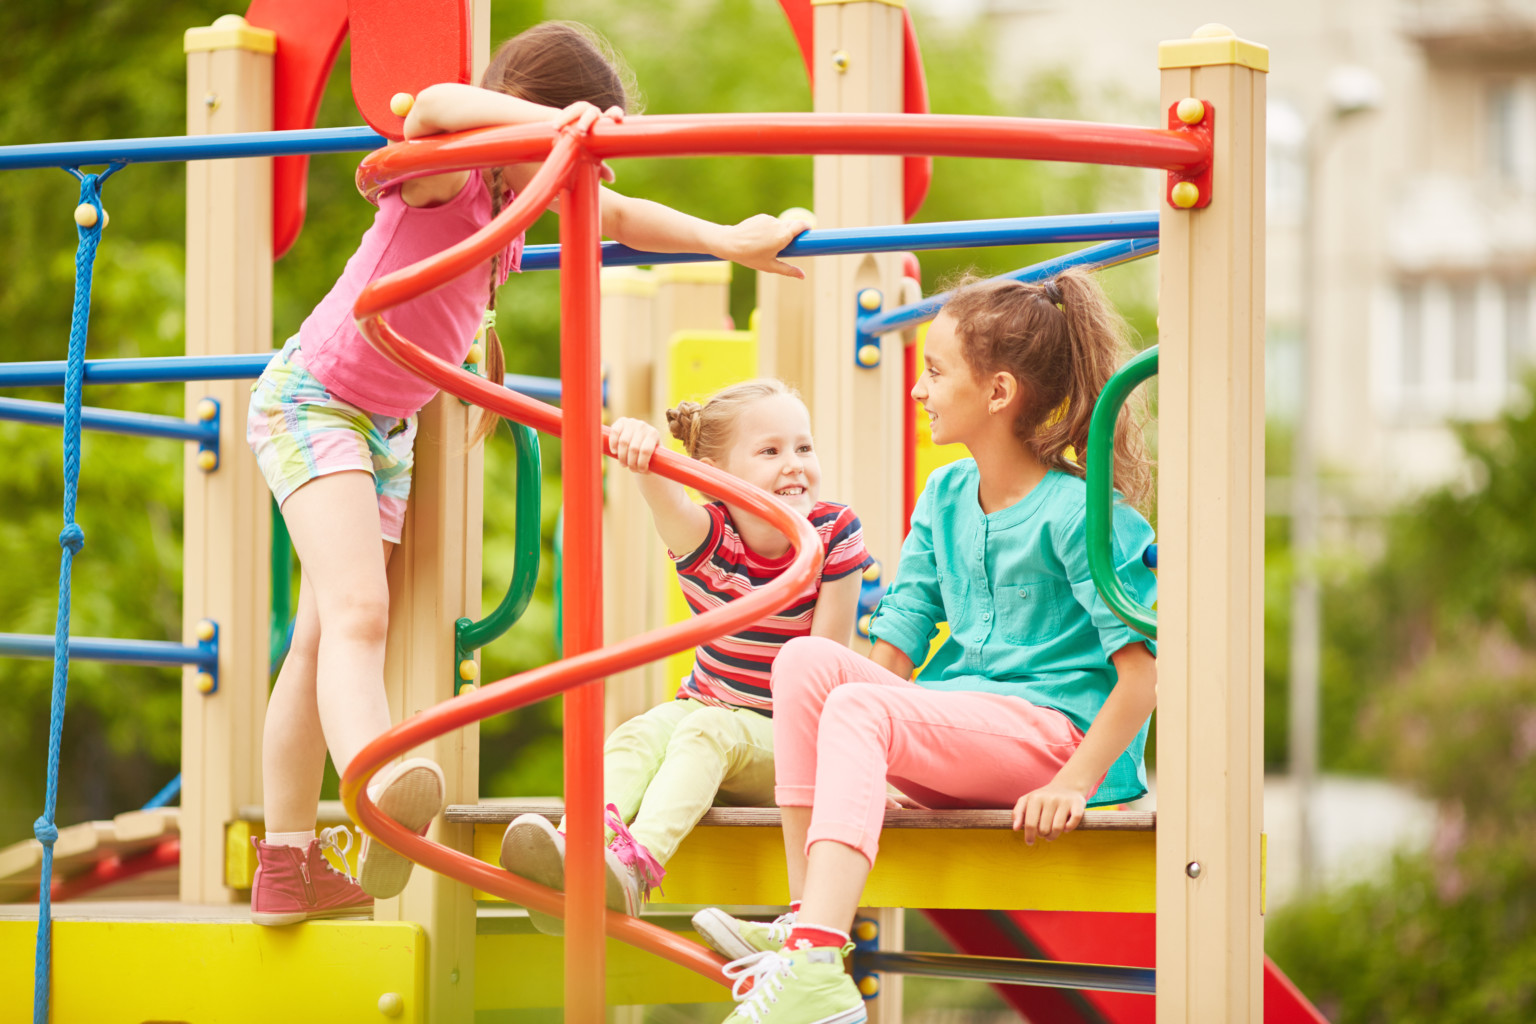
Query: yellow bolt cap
[[208, 461], [467, 688], [401, 103], [468, 669], [207, 409], [1191, 110], [869, 985], [205, 630], [204, 682], [391, 1005], [869, 300], [840, 60], [476, 353], [1213, 30], [869, 355], [865, 930], [1185, 195], [864, 624], [799, 213], [229, 21], [872, 573], [85, 215]]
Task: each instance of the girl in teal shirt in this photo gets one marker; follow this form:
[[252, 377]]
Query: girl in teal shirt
[[1039, 698]]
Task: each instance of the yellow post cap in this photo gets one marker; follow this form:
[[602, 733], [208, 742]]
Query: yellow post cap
[[1211, 45], [229, 32], [869, 355], [1190, 110], [205, 682], [869, 299], [401, 103], [468, 669], [1185, 194], [865, 930], [869, 985], [206, 630], [207, 460], [207, 409]]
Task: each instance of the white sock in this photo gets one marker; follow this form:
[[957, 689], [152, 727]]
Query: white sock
[[299, 839]]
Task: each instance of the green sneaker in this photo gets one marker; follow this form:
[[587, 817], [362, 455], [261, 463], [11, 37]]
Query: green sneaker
[[734, 938], [802, 986]]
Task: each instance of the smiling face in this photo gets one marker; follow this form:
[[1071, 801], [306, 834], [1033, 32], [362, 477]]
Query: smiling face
[[772, 449], [947, 389]]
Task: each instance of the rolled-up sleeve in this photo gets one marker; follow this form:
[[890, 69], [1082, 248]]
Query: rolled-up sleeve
[[1129, 538], [909, 614]]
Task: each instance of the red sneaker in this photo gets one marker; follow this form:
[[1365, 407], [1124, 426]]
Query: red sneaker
[[294, 884]]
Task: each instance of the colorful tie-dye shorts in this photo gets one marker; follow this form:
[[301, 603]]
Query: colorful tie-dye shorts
[[299, 432]]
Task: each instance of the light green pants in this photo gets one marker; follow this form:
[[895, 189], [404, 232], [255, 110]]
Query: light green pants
[[665, 768]]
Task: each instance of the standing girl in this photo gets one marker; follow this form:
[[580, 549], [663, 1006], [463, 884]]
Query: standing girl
[[714, 743], [1039, 698], [332, 424]]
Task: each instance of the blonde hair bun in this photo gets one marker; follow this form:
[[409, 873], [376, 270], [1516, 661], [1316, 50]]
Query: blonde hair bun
[[684, 422]]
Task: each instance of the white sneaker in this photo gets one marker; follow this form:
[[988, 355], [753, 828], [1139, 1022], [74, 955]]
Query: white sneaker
[[534, 849], [735, 938], [412, 792]]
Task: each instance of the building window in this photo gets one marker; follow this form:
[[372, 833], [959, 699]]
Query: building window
[[1464, 332], [1511, 132], [1410, 298]]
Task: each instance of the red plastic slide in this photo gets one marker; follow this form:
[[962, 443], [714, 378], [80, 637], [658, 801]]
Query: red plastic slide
[[1125, 939]]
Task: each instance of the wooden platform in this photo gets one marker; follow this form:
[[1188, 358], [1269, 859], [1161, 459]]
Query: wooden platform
[[79, 847], [963, 859]]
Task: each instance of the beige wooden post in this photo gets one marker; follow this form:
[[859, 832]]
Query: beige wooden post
[[633, 562], [434, 578], [784, 323], [1210, 736], [856, 412], [225, 575]]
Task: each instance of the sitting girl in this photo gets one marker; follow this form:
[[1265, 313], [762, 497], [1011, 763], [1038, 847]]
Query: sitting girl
[[1039, 698], [714, 743]]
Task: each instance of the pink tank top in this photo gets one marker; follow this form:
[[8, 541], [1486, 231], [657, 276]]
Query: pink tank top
[[443, 322]]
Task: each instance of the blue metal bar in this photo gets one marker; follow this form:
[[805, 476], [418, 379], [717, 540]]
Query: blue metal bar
[[174, 148], [954, 234], [159, 369], [1095, 257], [117, 652], [136, 424], [169, 792]]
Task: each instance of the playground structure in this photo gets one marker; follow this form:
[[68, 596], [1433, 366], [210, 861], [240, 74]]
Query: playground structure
[[1201, 868]]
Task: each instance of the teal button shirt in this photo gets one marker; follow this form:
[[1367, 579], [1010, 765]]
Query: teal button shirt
[[1024, 617]]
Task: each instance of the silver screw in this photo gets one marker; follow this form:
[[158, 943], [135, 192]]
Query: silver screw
[[1192, 869]]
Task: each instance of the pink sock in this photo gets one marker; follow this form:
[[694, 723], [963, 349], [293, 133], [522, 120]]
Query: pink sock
[[806, 936], [299, 839]]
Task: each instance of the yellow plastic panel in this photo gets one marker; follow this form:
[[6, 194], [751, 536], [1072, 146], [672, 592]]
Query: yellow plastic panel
[[700, 363], [977, 869], [219, 972], [525, 971]]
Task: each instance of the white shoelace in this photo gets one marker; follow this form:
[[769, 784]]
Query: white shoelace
[[780, 927], [765, 973], [330, 839]]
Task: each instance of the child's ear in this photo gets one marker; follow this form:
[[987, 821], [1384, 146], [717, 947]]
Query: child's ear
[[706, 460], [1005, 388]]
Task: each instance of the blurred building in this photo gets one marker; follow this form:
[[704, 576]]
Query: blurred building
[[1402, 201]]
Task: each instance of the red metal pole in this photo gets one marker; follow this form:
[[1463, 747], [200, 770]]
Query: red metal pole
[[582, 607]]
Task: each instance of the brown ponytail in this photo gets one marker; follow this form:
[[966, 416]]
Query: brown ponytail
[[1061, 340], [554, 63]]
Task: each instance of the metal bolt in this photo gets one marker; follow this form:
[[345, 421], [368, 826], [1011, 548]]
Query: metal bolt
[[840, 60], [1193, 869], [211, 101]]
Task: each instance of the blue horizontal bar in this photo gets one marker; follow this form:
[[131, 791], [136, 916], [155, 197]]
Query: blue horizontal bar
[[136, 424], [161, 369], [954, 234], [118, 652], [168, 148], [1096, 257]]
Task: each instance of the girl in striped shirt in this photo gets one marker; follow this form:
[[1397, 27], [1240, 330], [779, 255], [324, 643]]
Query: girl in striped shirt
[[713, 744]]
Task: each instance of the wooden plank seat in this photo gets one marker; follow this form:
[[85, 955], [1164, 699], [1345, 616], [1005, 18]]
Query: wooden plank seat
[[952, 859]]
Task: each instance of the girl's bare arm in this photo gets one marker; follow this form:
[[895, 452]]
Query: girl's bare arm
[[837, 609]]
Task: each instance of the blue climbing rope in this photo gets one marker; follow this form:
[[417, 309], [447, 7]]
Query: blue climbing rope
[[170, 791], [71, 540]]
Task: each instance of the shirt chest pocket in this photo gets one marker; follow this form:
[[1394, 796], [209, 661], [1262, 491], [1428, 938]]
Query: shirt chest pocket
[[1031, 610]]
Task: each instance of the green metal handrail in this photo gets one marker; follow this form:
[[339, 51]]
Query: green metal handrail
[[1101, 493], [469, 636]]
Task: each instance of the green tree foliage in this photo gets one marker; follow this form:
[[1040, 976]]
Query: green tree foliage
[[1431, 658], [116, 71]]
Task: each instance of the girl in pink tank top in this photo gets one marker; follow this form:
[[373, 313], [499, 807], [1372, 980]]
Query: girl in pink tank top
[[332, 424]]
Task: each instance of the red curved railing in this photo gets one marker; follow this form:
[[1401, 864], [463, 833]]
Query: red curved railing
[[569, 174]]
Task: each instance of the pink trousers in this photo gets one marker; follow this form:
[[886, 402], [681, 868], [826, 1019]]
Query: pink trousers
[[843, 726]]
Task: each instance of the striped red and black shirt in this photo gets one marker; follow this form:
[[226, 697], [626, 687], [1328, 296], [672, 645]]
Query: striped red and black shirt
[[733, 670]]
